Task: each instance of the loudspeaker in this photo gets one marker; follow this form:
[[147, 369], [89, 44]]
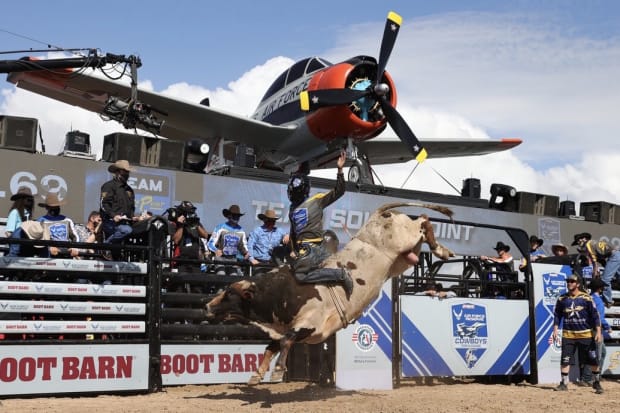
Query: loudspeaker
[[552, 204], [143, 150], [122, 146], [18, 133], [244, 156], [567, 208], [76, 141], [526, 202], [171, 154], [471, 188], [601, 212]]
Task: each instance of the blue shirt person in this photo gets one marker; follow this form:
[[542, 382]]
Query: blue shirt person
[[265, 238]]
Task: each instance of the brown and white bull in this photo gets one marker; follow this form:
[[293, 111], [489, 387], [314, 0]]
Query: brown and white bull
[[290, 312]]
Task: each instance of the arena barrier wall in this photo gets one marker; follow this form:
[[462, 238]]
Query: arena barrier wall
[[94, 326]]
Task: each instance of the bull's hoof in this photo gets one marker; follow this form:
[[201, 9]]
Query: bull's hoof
[[277, 375], [255, 379]]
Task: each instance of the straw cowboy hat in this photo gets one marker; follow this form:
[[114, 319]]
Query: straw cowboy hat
[[269, 214], [22, 192], [501, 246], [33, 229], [51, 200], [120, 165], [233, 210], [559, 247]]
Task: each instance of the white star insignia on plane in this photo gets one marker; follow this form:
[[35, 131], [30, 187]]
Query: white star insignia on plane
[[315, 99], [394, 27]]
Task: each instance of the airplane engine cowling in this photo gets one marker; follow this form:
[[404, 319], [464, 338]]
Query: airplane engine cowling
[[358, 120]]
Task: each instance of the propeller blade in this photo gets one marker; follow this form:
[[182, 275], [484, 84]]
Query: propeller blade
[[392, 25], [402, 130], [314, 99]]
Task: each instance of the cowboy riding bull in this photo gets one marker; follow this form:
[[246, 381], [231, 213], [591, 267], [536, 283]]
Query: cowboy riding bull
[[291, 312]]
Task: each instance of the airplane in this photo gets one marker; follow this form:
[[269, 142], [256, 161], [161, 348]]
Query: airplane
[[471, 331], [310, 113]]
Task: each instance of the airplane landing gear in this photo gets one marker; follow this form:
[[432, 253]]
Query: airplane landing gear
[[360, 172]]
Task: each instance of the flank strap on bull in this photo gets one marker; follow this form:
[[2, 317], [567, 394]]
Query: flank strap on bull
[[339, 306]]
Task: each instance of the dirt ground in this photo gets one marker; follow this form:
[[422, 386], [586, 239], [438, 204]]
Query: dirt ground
[[449, 396]]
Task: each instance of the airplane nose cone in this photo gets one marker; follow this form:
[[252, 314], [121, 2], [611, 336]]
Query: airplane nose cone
[[382, 89]]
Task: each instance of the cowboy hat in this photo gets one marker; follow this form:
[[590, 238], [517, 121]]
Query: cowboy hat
[[33, 229], [51, 200], [233, 210], [556, 247], [573, 277], [22, 192], [577, 237], [120, 164], [269, 214], [537, 240], [501, 246]]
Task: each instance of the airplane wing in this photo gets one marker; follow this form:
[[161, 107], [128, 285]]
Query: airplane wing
[[182, 120], [381, 151]]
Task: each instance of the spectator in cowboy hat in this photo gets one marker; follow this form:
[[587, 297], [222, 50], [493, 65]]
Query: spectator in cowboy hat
[[21, 211], [118, 205], [228, 241], [502, 263], [559, 250], [57, 227], [536, 252], [265, 238]]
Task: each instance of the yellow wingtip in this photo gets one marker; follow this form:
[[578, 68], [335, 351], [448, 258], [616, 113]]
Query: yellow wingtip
[[422, 156], [304, 100], [395, 18]]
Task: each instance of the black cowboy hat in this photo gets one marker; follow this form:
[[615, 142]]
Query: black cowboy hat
[[233, 210], [577, 237], [537, 240], [501, 246], [22, 192]]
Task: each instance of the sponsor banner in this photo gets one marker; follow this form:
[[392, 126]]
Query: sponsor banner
[[70, 307], [44, 288], [464, 336], [211, 364], [611, 366], [61, 264], [52, 326], [364, 348], [41, 369], [549, 284]]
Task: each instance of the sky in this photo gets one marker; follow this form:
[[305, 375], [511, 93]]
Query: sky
[[542, 71]]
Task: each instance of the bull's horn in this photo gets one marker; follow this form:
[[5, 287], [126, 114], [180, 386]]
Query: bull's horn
[[444, 210]]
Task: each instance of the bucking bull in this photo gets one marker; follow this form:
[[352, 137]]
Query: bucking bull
[[291, 312]]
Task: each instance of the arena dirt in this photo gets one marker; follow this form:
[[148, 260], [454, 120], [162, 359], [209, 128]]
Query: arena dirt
[[447, 396]]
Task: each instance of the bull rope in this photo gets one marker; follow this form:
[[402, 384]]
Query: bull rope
[[339, 306]]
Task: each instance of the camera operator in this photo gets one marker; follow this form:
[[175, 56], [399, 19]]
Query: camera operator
[[188, 235]]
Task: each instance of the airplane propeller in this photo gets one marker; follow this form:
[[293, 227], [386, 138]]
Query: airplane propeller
[[315, 99]]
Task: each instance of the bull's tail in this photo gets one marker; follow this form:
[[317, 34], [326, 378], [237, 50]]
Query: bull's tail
[[441, 209]]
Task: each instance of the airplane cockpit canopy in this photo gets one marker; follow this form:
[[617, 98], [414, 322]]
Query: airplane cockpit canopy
[[299, 69]]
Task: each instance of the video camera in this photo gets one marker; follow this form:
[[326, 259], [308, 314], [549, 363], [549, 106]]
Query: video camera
[[186, 209]]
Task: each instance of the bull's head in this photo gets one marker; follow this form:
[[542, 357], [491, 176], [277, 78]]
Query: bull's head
[[231, 305], [397, 235]]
